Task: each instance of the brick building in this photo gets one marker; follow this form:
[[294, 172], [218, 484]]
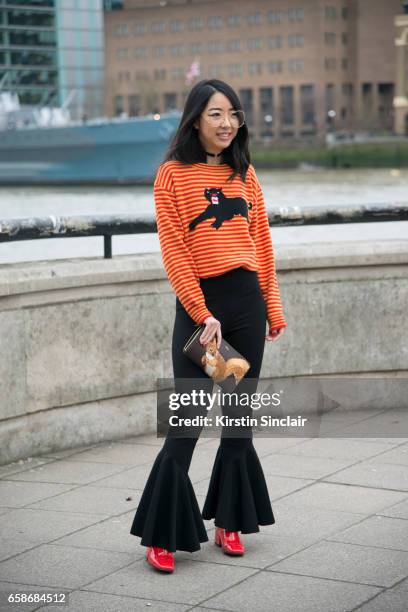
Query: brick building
[[300, 67]]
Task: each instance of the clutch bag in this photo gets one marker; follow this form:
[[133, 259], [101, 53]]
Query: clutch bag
[[225, 365]]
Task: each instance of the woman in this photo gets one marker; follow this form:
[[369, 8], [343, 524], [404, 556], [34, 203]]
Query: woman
[[222, 269]]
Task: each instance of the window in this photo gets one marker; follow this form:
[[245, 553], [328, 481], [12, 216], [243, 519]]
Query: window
[[234, 45], [118, 105], [296, 65], [254, 44], [215, 46], [266, 104], [296, 40], [159, 74], [344, 63], [330, 63], [344, 12], [134, 105], [121, 53], [196, 48], [296, 14], [215, 22], [235, 69], [177, 50], [170, 101], [158, 27], [159, 51], [274, 67], [275, 16], [254, 18], [275, 42], [247, 103], [307, 104], [196, 23], [140, 52], [233, 21], [255, 68], [330, 38], [215, 71], [286, 105], [344, 38], [122, 29], [177, 74], [176, 26], [140, 28], [330, 12]]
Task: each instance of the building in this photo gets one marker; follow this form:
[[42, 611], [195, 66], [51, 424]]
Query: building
[[301, 67], [51, 52], [401, 75]]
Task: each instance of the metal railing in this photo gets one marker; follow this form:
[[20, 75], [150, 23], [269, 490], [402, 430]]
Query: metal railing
[[36, 228]]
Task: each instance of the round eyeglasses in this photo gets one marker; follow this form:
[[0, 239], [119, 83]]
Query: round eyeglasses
[[236, 118]]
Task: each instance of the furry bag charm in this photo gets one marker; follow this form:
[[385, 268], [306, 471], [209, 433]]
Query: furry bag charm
[[224, 365]]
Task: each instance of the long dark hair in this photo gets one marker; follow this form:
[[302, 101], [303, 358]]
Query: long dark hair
[[186, 146]]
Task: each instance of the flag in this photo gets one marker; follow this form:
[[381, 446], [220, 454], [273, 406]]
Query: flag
[[193, 71]]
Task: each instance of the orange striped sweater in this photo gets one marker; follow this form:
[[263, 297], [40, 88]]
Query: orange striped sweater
[[199, 240]]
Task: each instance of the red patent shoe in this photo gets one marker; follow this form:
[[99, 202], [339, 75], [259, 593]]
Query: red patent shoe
[[229, 541], [160, 558]]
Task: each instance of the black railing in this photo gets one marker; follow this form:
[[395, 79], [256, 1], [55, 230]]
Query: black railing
[[36, 228]]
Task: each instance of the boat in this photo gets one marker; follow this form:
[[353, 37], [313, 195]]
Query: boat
[[43, 145]]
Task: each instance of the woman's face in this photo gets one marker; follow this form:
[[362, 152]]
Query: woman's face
[[215, 138]]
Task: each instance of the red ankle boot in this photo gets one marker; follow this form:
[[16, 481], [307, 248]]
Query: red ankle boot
[[160, 558], [229, 541]]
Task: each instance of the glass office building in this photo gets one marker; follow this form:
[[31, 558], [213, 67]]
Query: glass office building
[[52, 53]]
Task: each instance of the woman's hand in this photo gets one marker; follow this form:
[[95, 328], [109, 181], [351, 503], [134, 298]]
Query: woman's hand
[[212, 328], [274, 334]]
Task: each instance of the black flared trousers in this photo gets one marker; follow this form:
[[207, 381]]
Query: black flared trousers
[[168, 514]]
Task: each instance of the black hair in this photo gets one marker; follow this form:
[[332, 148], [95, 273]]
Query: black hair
[[185, 145]]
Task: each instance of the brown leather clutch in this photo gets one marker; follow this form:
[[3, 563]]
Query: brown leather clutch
[[224, 365]]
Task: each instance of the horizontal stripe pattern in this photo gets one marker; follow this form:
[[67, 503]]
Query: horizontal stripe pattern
[[202, 252]]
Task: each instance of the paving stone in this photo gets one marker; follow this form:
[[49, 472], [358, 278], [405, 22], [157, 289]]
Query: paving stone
[[9, 547], [332, 496], [110, 534], [334, 448], [261, 550], [374, 474], [354, 563], [43, 525], [379, 531], [302, 467], [62, 566], [68, 472], [307, 524], [391, 600], [8, 588], [399, 510], [100, 500], [23, 464], [122, 454], [191, 581], [16, 494], [398, 455], [83, 601], [272, 591]]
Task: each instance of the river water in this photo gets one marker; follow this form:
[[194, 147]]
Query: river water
[[282, 188]]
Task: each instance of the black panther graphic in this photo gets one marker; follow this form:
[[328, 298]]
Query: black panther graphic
[[221, 207]]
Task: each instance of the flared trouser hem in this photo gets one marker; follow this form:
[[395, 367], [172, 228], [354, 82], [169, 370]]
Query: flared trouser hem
[[168, 514], [238, 498]]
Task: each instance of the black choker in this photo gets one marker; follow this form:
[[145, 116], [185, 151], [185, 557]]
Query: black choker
[[214, 154]]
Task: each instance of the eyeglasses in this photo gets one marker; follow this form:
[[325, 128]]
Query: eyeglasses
[[236, 118]]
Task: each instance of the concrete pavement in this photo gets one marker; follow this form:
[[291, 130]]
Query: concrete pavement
[[340, 541]]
